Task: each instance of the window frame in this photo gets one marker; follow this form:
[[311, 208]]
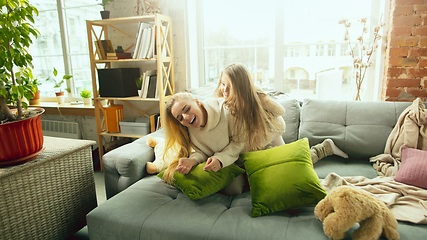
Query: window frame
[[65, 47]]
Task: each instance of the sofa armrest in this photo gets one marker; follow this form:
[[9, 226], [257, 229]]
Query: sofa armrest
[[125, 165]]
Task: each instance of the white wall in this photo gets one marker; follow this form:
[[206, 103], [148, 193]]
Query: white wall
[[87, 124]]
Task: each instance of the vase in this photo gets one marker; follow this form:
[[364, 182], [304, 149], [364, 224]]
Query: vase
[[105, 14], [87, 101], [60, 97]]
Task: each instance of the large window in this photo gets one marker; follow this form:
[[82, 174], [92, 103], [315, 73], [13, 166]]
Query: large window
[[62, 43], [303, 35]]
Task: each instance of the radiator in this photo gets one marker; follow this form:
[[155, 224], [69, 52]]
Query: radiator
[[61, 129]]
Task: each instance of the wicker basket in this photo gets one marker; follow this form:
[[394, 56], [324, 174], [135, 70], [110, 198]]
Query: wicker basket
[[49, 197]]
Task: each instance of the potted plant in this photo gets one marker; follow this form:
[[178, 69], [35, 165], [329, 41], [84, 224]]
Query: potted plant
[[85, 94], [139, 85], [105, 14], [58, 83], [20, 127], [36, 95]]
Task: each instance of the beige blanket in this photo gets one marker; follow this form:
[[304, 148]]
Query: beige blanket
[[411, 131], [407, 203]]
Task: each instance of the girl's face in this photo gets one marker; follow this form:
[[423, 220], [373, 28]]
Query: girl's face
[[225, 86], [189, 113]]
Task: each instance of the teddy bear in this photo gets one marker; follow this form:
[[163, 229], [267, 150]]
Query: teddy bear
[[159, 163], [347, 205]]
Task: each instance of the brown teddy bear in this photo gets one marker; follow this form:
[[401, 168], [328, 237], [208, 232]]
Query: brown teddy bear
[[345, 205]]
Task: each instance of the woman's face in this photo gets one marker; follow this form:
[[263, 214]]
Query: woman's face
[[189, 113], [225, 86]]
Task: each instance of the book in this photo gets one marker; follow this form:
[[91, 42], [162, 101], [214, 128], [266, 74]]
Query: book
[[145, 82], [105, 46], [152, 86], [98, 51], [140, 39], [143, 85], [154, 122], [119, 55], [159, 123], [150, 53], [146, 36]]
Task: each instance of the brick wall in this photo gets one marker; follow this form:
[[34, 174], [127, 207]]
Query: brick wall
[[406, 55]]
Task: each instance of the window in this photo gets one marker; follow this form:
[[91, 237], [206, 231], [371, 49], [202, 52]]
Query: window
[[331, 49], [320, 50], [249, 31], [62, 43]]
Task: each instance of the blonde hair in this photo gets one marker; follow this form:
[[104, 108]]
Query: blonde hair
[[177, 136], [244, 103]]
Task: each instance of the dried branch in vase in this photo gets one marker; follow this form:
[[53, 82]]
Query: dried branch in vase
[[361, 51]]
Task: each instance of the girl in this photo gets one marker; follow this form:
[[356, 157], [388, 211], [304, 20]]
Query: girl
[[257, 115]]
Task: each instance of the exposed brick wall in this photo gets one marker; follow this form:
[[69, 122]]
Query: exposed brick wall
[[406, 55]]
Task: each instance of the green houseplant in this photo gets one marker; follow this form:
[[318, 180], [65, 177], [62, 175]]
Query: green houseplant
[[58, 83], [105, 14], [16, 24], [85, 94]]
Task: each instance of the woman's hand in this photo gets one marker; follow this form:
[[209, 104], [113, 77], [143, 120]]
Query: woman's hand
[[185, 165], [213, 164]]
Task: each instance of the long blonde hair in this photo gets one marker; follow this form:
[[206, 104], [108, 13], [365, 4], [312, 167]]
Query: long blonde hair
[[177, 136], [250, 118]]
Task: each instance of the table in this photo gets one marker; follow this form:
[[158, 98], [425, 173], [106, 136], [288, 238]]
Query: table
[[48, 197]]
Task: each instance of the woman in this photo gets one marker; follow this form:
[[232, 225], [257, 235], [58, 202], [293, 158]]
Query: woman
[[199, 131]]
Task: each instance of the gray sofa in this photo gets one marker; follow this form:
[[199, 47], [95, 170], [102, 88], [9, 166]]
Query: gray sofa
[[140, 206]]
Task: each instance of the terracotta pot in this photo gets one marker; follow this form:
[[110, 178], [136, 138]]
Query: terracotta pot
[[21, 138], [36, 98], [59, 93]]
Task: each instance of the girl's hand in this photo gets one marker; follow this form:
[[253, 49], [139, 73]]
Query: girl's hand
[[185, 165], [213, 164]]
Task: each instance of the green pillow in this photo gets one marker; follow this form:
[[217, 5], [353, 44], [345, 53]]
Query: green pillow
[[199, 183], [282, 178]]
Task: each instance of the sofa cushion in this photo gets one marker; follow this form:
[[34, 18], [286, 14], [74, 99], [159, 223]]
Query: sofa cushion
[[282, 178], [413, 169], [199, 183]]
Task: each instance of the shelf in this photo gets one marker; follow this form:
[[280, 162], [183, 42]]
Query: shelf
[[163, 62], [126, 20], [165, 59], [136, 98], [119, 135], [53, 108]]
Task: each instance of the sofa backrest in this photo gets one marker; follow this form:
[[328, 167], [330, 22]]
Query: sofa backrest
[[291, 117], [358, 128]]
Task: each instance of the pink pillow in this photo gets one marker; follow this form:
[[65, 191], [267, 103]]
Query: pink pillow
[[413, 169]]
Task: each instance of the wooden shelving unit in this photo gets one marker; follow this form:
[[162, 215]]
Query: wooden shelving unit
[[163, 59]]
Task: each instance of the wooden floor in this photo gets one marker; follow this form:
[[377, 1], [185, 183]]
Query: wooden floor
[[100, 196]]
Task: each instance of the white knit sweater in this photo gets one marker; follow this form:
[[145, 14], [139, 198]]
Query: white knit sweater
[[215, 138]]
